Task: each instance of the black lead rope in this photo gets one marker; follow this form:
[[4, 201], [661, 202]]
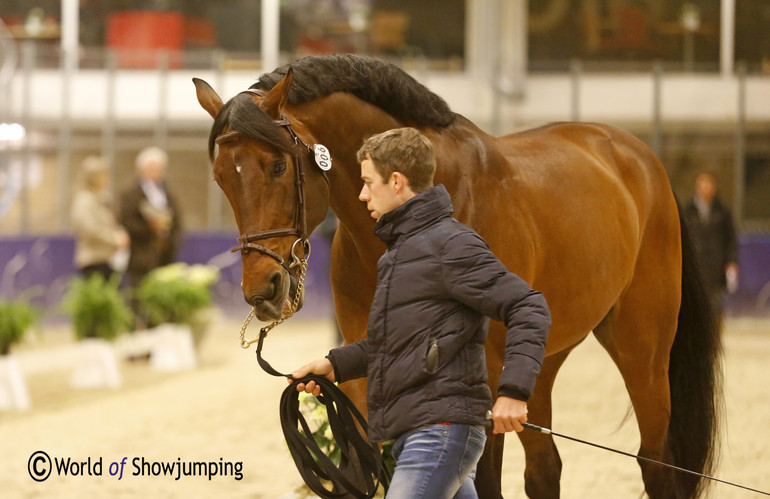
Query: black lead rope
[[358, 455]]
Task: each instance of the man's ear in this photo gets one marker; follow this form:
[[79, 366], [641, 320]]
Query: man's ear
[[398, 181]]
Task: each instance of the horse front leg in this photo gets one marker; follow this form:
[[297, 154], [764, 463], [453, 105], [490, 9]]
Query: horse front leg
[[489, 469], [542, 472], [543, 466]]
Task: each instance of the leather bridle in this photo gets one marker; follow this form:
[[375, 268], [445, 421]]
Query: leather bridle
[[300, 152]]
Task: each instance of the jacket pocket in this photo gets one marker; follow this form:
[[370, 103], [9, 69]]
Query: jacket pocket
[[431, 357]]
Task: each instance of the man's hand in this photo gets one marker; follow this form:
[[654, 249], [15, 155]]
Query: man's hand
[[322, 367], [508, 414]]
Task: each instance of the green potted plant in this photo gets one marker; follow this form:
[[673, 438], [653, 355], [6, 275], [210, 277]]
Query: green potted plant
[[97, 308], [16, 317], [99, 314], [178, 294]]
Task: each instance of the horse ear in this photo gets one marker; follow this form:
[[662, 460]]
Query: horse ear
[[272, 104], [207, 97]]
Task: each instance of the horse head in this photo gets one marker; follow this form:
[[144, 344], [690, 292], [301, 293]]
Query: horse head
[[276, 190]]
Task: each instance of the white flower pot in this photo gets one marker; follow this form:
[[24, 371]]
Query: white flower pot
[[13, 389], [96, 365]]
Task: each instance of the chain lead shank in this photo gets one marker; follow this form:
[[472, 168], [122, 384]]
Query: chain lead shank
[[302, 262]]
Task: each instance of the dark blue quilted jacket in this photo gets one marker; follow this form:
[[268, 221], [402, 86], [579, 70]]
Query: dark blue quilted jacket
[[437, 284]]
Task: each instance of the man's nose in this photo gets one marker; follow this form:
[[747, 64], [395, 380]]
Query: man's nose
[[363, 195]]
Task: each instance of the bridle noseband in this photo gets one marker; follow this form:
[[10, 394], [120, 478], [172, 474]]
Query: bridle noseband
[[299, 153]]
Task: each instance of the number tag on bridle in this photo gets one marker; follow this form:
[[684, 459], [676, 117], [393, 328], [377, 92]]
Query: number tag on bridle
[[322, 157]]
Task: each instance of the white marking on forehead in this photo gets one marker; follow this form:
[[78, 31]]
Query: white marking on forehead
[[238, 168]]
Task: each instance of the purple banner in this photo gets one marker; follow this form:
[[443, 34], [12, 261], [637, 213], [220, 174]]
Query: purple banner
[[41, 267]]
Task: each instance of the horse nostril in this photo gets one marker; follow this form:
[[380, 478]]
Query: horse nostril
[[255, 300], [275, 284]]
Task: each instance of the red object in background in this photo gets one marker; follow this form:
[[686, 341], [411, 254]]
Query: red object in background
[[137, 36], [199, 32]]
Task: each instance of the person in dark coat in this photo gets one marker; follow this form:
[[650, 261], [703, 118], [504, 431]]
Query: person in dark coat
[[437, 285], [149, 212], [713, 231]]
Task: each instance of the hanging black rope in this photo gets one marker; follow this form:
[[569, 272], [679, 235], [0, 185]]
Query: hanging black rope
[[358, 455]]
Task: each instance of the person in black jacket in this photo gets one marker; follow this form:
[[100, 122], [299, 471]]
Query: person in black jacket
[[150, 214], [437, 284], [713, 231]]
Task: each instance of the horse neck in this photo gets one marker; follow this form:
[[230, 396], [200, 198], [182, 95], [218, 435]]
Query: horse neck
[[341, 122]]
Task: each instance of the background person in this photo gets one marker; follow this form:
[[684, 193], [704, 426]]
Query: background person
[[424, 354], [149, 212], [713, 230], [98, 236]]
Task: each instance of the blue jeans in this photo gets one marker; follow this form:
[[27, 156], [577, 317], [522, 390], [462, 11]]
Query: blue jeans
[[437, 462]]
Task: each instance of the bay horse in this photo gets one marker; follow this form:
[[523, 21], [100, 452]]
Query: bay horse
[[583, 212]]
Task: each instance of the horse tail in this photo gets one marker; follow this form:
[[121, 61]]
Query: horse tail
[[695, 377]]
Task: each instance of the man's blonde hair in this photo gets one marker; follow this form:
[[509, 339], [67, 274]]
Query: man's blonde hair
[[403, 150]]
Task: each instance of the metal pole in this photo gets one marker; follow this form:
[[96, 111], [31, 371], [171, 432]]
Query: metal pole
[[727, 37], [214, 213], [110, 124], [271, 16], [70, 29], [161, 125], [689, 51], [576, 70], [739, 172], [497, 70], [28, 59], [65, 139], [656, 141]]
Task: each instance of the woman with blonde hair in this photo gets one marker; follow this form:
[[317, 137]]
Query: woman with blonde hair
[[98, 235]]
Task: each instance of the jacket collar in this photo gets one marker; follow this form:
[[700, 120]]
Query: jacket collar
[[417, 213]]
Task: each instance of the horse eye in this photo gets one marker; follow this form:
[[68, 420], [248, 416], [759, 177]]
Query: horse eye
[[279, 168]]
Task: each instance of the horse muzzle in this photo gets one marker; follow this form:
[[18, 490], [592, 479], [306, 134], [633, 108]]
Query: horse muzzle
[[275, 298]]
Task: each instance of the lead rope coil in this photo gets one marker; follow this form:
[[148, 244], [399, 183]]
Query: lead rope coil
[[357, 455], [359, 458]]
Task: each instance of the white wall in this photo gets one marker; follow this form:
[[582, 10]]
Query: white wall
[[603, 97]]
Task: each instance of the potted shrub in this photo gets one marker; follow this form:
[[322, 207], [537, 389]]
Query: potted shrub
[[99, 314], [178, 294], [97, 308], [16, 317]]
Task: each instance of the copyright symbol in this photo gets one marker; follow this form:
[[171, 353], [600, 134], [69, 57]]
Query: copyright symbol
[[39, 466]]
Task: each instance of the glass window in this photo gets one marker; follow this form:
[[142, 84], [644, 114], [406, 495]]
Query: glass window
[[395, 29], [192, 30], [618, 34], [752, 34]]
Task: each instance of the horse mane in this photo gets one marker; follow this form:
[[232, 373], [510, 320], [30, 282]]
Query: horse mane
[[380, 83], [374, 81]]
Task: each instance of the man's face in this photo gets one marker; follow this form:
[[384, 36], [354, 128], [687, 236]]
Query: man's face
[[153, 171], [380, 197], [706, 187]]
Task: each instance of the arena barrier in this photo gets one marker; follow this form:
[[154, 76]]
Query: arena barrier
[[42, 266]]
